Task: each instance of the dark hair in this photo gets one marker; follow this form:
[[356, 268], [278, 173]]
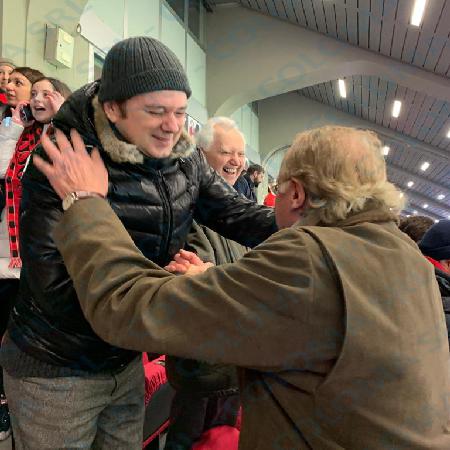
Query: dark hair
[[120, 104], [255, 168], [30, 74], [415, 226], [58, 85]]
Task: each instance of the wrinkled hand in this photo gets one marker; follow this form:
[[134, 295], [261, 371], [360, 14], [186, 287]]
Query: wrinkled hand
[[16, 116], [187, 263], [72, 168], [56, 100]]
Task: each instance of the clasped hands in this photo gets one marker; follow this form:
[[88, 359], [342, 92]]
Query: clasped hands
[[187, 263]]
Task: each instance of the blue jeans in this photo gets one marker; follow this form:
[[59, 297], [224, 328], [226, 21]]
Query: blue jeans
[[100, 412]]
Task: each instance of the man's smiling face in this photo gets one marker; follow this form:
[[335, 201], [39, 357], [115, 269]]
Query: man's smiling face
[[226, 154]]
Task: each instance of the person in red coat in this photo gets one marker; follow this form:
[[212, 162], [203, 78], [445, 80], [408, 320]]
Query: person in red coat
[[269, 199]]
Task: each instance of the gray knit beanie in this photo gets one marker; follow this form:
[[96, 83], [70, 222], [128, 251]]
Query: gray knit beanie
[[7, 62], [138, 65]]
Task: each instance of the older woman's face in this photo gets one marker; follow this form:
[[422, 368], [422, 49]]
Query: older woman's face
[[18, 89]]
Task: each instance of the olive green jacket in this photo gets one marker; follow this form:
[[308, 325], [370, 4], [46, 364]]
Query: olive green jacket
[[339, 331]]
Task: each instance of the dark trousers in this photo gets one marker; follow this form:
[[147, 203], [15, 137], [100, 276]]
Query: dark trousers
[[191, 415], [8, 293]]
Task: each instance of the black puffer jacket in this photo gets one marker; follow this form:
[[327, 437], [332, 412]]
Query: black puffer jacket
[[156, 201]]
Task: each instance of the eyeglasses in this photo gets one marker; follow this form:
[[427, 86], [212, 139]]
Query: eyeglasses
[[277, 186]]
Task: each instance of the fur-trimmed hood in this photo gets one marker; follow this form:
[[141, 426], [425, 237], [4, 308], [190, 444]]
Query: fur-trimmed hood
[[83, 112]]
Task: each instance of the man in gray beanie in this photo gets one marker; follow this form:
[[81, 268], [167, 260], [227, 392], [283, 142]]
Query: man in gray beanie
[[67, 387]]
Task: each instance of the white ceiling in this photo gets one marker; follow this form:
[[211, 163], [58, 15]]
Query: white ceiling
[[382, 26]]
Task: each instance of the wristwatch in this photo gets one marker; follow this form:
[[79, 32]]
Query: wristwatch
[[70, 199]]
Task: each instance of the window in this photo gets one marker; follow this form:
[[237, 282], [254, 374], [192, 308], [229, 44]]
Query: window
[[195, 7], [192, 14], [98, 66], [178, 7]]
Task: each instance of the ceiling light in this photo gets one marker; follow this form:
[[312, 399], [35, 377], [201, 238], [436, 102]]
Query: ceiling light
[[441, 197], [424, 166], [417, 14], [342, 89], [425, 205], [436, 221], [386, 150], [410, 184], [396, 108], [448, 134], [407, 215], [415, 211]]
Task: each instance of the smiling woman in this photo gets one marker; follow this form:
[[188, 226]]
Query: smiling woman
[[47, 96]]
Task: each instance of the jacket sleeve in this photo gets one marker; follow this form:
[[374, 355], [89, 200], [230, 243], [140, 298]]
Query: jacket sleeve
[[221, 208], [9, 135], [252, 313], [198, 242]]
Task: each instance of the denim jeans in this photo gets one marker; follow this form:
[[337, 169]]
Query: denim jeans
[[100, 411]]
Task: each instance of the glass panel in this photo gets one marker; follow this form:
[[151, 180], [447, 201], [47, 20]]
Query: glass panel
[[178, 7], [98, 66], [194, 17]]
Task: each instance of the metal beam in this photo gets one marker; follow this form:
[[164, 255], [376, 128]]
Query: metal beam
[[421, 199], [423, 212], [415, 144], [418, 178]]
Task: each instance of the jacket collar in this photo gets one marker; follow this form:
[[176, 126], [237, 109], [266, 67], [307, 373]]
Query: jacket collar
[[124, 152], [368, 215]]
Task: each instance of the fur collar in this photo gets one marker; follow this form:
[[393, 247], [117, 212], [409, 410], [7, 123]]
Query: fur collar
[[123, 152]]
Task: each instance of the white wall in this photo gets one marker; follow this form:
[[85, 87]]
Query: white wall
[[248, 123]]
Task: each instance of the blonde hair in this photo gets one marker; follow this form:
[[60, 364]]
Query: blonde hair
[[342, 171]]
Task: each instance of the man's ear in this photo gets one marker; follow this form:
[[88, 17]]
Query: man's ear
[[112, 111], [298, 198]]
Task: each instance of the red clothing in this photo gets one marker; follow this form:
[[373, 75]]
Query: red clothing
[[3, 99], [437, 264], [270, 200], [27, 142]]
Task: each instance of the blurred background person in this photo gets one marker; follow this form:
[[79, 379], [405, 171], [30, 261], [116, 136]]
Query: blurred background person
[[254, 177], [435, 245], [6, 67], [269, 199], [415, 226]]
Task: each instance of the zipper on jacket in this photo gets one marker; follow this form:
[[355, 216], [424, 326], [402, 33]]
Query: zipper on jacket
[[164, 191]]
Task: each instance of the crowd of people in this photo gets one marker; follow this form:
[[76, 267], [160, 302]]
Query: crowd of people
[[314, 316]]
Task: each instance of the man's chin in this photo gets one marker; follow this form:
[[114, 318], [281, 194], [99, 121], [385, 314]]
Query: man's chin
[[158, 152]]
